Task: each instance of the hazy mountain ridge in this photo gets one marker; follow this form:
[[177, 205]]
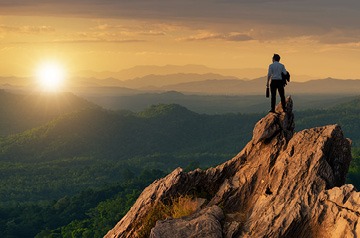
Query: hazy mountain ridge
[[210, 84], [14, 81], [158, 81], [257, 86], [144, 70]]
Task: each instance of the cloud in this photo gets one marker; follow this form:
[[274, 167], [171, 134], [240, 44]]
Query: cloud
[[138, 29], [110, 32], [157, 53], [238, 37], [97, 37], [275, 19], [340, 36], [74, 41], [26, 29], [218, 36], [277, 11]]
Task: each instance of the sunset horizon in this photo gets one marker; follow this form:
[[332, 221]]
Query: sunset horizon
[[318, 41]]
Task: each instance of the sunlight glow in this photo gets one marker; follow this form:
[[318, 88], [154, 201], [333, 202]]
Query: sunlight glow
[[50, 76]]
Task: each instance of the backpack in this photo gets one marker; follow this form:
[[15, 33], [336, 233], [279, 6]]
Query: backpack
[[285, 77]]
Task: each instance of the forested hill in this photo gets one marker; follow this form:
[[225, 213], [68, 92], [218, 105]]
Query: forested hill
[[347, 115], [20, 112], [108, 135]]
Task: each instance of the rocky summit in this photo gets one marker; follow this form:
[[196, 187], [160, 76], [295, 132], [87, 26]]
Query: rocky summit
[[282, 184]]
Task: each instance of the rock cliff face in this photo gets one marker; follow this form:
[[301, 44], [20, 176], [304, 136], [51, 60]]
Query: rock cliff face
[[282, 184]]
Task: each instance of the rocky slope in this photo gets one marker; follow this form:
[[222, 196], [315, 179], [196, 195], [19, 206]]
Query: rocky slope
[[282, 184]]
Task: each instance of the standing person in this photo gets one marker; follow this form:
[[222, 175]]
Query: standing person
[[274, 73]]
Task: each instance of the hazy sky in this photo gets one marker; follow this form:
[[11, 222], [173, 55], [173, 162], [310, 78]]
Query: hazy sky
[[319, 38]]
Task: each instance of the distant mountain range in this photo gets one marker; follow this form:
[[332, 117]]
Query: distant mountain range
[[204, 93], [210, 84], [257, 86], [144, 70], [189, 79]]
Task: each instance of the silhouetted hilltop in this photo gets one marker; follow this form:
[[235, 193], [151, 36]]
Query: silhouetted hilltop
[[20, 112], [282, 184], [166, 110]]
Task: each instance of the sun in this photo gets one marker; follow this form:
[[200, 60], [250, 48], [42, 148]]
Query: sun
[[50, 76]]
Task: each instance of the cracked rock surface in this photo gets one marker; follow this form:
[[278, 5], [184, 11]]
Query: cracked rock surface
[[282, 184]]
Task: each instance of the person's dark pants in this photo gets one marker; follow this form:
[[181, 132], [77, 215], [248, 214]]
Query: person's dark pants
[[277, 84]]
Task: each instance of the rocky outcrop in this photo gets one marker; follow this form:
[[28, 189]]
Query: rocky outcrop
[[282, 184], [205, 223]]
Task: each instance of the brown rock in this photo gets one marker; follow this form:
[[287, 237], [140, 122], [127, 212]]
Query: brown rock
[[282, 184], [338, 212], [205, 223]]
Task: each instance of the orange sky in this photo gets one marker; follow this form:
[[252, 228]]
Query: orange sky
[[315, 38]]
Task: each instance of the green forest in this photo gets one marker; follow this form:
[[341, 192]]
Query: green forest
[[70, 168]]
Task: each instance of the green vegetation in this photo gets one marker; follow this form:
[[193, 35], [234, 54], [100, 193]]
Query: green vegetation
[[175, 208], [347, 115], [73, 152], [353, 175], [76, 169], [90, 213]]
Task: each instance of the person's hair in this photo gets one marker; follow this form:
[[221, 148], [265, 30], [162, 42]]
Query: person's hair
[[276, 57]]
